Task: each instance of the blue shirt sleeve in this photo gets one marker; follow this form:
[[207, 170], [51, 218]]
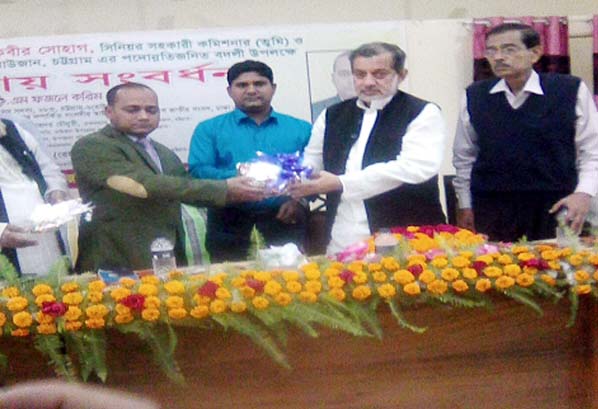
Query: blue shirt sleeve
[[203, 154]]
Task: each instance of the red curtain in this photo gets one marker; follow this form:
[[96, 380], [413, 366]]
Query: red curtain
[[595, 37], [554, 36]]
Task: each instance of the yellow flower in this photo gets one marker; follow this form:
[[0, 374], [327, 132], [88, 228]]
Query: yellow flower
[[486, 258], [179, 313], [290, 275], [470, 273], [337, 265], [389, 263], [575, 260], [20, 332], [10, 292], [336, 282], [152, 302], [150, 279], [308, 297], [69, 287], [460, 286], [222, 293], [440, 262], [338, 294], [566, 251], [74, 298], [377, 266], [127, 282], [313, 286], [581, 276], [412, 289], [504, 282], [272, 287], [95, 323], [309, 266], [466, 254], [199, 312], [123, 318], [449, 274], [150, 314], [583, 289], [119, 293], [42, 298], [238, 282], [97, 311], [504, 259], [492, 271], [360, 278], [416, 259], [483, 285], [174, 301], [17, 303], [386, 291], [460, 262], [525, 280], [554, 265], [356, 266], [512, 270], [174, 274], [46, 329], [427, 276], [263, 275], [238, 306], [403, 277], [218, 306], [438, 287], [247, 292], [312, 274], [593, 259], [549, 255], [548, 280], [73, 325], [283, 299], [260, 303], [122, 309], [361, 292], [379, 276], [2, 319], [516, 249], [43, 318], [174, 287], [40, 289], [22, 319], [294, 287], [97, 285], [95, 296], [147, 289], [73, 313]]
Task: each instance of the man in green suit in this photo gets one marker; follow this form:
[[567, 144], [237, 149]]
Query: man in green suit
[[137, 185]]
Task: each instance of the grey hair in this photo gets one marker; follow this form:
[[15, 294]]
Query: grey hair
[[377, 48]]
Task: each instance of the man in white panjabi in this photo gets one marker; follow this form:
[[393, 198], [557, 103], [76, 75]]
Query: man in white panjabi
[[28, 177]]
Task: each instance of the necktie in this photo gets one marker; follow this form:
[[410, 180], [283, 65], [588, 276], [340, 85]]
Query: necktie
[[151, 151]]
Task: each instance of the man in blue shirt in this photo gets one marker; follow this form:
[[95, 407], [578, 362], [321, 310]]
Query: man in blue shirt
[[219, 143]]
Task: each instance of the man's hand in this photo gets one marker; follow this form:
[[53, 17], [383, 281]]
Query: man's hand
[[465, 219], [57, 196], [324, 182], [578, 205], [14, 237], [243, 189], [290, 212]]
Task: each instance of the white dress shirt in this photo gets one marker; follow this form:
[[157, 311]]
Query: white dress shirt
[[465, 148], [420, 159]]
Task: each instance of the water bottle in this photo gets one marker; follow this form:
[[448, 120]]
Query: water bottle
[[385, 242], [163, 260]]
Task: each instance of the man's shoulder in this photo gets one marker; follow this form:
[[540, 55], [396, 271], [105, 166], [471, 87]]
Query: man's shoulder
[[217, 120], [100, 137], [483, 84], [286, 119], [550, 78]]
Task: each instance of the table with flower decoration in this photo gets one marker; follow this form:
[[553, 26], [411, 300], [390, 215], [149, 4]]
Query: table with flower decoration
[[447, 321]]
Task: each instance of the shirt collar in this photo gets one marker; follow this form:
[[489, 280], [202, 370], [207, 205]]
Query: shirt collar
[[376, 104], [532, 85], [241, 116], [135, 139]]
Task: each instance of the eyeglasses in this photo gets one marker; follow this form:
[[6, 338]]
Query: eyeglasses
[[507, 50]]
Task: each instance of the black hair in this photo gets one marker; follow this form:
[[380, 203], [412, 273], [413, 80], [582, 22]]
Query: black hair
[[249, 66], [529, 37]]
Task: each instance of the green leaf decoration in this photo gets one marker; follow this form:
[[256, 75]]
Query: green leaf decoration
[[367, 315], [545, 290], [53, 347], [257, 243], [398, 314], [458, 301], [323, 315], [524, 298], [274, 321], [8, 272], [574, 300], [90, 347]]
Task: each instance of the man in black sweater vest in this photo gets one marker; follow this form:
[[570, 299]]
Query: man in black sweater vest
[[526, 144], [380, 152]]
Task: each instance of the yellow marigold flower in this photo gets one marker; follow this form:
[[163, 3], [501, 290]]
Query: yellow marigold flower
[[313, 286], [439, 262], [309, 266], [566, 251], [222, 293], [218, 306], [46, 329], [263, 275], [427, 276], [512, 270], [283, 299], [74, 298], [69, 287], [374, 267], [460, 286], [466, 253], [260, 303], [575, 260], [416, 259], [17, 303], [238, 306], [470, 273], [403, 277], [272, 287], [294, 287], [492, 271], [199, 312], [387, 291], [95, 323], [2, 319], [95, 296], [312, 274], [41, 299], [238, 282], [504, 282], [290, 275], [42, 318], [308, 297], [581, 276], [438, 287], [20, 332], [525, 280], [152, 302], [10, 292], [595, 275], [516, 249], [360, 278], [361, 292], [530, 270], [504, 259], [554, 265], [460, 262], [174, 287], [40, 289], [119, 293], [97, 311], [449, 274], [122, 309], [379, 276], [150, 279], [174, 274], [73, 313], [22, 319], [180, 313], [356, 266], [174, 301], [73, 325], [412, 289], [549, 255], [583, 289], [147, 289], [127, 282], [123, 318], [486, 258], [593, 259], [483, 285], [338, 294], [336, 282], [389, 263], [150, 314], [96, 286], [249, 292]]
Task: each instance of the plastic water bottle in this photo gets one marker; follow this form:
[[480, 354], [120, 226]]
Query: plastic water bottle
[[385, 242], [163, 260]]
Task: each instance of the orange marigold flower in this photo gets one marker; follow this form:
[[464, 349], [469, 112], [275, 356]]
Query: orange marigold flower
[[127, 282], [96, 285], [525, 280], [41, 299], [249, 292], [554, 265], [486, 258], [483, 285], [389, 263], [40, 289], [122, 309], [179, 313], [470, 273], [42, 318], [174, 301], [174, 287], [379, 276], [22, 319], [308, 297], [69, 287], [152, 302], [583, 289], [504, 259], [460, 286], [516, 249], [218, 306], [238, 306], [427, 276], [581, 276], [338, 294], [95, 296], [123, 318], [222, 293], [2, 319], [575, 260], [150, 314], [386, 291], [73, 313], [512, 270], [313, 286], [336, 282], [119, 293], [199, 312], [438, 287], [73, 325], [449, 274], [17, 303], [566, 251], [46, 329], [74, 298], [283, 299], [20, 332], [593, 259], [595, 275], [550, 255], [260, 303], [504, 282], [96, 311], [525, 256], [412, 289], [95, 323], [10, 292], [403, 277], [440, 262], [460, 262], [548, 279], [360, 278], [272, 287], [294, 287], [492, 271]]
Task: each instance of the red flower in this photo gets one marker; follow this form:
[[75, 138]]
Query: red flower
[[54, 309], [347, 276], [415, 269], [257, 285], [208, 289], [134, 301], [535, 263], [479, 266]]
